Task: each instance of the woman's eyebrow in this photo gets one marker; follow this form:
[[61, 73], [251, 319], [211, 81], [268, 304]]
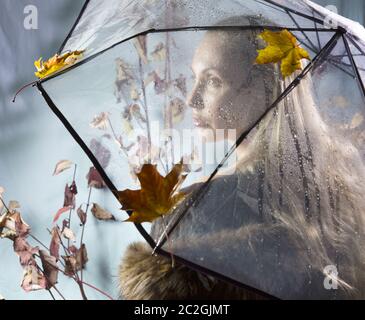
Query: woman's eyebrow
[[206, 70]]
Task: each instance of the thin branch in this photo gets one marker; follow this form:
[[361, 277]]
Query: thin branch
[[82, 282], [145, 109], [116, 138], [54, 286], [5, 206], [40, 242], [82, 233], [50, 292], [100, 291], [70, 212]]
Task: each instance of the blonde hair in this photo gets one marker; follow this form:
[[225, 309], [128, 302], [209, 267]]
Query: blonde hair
[[311, 182]]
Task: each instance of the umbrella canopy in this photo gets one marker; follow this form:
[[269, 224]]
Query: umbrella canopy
[[274, 160]]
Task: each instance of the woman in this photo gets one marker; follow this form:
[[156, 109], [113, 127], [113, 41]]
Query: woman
[[293, 210]]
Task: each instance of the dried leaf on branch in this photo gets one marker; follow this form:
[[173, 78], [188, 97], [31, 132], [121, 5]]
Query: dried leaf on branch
[[76, 261], [33, 279], [50, 268], [82, 215], [159, 54], [54, 247], [70, 195], [100, 213], [12, 225], [62, 166], [100, 121], [94, 179], [60, 212]]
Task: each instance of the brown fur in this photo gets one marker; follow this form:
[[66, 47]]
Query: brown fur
[[143, 276]]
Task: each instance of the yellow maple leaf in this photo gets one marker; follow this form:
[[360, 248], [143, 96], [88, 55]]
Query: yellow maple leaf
[[282, 46], [157, 196], [56, 63]]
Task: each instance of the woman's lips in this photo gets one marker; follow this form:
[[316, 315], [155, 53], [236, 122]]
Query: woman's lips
[[199, 122]]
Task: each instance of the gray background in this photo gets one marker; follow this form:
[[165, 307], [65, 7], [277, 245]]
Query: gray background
[[32, 140]]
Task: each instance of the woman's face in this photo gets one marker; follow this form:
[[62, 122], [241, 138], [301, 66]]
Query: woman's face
[[222, 96]]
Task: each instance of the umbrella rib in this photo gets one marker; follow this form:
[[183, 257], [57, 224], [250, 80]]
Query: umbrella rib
[[315, 25], [295, 11], [194, 28], [90, 155], [354, 66], [198, 195], [314, 48]]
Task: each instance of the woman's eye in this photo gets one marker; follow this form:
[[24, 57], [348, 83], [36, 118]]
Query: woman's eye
[[214, 82]]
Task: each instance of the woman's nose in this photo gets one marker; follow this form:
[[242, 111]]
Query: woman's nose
[[195, 99]]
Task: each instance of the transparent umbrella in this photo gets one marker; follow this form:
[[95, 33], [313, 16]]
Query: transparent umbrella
[[271, 142]]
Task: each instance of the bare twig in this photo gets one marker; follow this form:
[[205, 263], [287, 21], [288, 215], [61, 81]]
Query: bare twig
[[82, 233], [4, 204], [145, 107], [70, 212]]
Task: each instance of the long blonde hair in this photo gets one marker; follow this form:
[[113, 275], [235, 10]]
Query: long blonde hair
[[311, 182]]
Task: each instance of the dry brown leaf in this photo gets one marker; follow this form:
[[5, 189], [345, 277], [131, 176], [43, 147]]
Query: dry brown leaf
[[62, 166], [177, 108], [33, 279], [94, 179], [180, 83], [134, 93], [76, 261], [54, 247], [81, 257], [160, 85], [70, 195], [24, 251], [82, 215], [12, 225], [135, 111], [13, 204], [124, 71], [159, 54], [100, 121], [68, 234], [100, 213], [50, 268], [70, 265], [60, 212]]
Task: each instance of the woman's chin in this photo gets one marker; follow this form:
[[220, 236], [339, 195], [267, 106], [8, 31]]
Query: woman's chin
[[206, 133], [209, 135]]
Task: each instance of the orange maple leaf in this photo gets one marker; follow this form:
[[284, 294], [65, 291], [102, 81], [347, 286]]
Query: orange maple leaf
[[157, 196]]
